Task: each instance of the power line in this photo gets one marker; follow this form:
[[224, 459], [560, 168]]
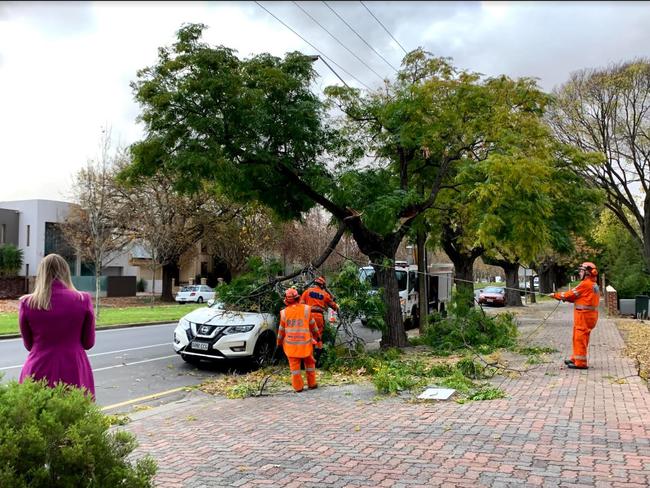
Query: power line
[[317, 50], [337, 40], [387, 31], [359, 36]]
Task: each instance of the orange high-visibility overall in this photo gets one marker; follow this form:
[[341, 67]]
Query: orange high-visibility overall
[[296, 335], [585, 315], [319, 300]]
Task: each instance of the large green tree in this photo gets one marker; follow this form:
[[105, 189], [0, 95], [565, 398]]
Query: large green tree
[[255, 128]]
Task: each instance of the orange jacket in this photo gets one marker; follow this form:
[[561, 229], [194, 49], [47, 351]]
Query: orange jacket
[[318, 299], [586, 295], [297, 332]]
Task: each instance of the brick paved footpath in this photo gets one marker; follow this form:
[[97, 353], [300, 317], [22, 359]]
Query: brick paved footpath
[[557, 427]]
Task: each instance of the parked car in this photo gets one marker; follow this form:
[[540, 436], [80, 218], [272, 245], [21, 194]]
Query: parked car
[[214, 334], [195, 293], [492, 295]]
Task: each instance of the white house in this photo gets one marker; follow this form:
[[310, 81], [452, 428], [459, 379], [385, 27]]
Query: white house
[[39, 235]]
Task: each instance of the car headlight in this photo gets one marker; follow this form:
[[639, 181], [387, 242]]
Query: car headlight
[[238, 329]]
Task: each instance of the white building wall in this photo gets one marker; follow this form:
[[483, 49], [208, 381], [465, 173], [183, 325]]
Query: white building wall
[[34, 213]]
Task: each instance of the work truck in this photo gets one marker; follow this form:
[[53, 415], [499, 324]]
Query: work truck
[[439, 282]]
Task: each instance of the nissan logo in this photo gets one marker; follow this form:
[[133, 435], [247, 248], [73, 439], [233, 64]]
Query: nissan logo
[[205, 329]]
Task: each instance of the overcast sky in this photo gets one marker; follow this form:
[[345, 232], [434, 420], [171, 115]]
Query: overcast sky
[[65, 67]]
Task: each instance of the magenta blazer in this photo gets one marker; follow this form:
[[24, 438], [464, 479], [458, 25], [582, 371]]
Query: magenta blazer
[[57, 339]]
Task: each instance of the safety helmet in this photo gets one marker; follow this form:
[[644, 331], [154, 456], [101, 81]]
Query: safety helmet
[[291, 296], [320, 281], [590, 268]]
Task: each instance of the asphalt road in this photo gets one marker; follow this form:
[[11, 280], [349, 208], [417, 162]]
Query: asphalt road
[[134, 364], [128, 363]]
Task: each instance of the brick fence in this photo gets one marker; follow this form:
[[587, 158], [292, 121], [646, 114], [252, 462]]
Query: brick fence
[[611, 301]]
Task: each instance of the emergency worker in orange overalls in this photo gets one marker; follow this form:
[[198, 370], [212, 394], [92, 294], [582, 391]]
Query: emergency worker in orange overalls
[[320, 300], [586, 297], [297, 335]]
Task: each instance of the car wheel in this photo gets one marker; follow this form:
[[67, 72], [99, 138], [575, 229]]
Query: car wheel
[[264, 351], [191, 359], [199, 300]]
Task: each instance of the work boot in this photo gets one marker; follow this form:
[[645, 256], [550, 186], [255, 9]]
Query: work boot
[[297, 391], [313, 387], [573, 366], [568, 361]]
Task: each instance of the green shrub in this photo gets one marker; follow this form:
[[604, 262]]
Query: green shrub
[[11, 260], [57, 437], [471, 368], [141, 286]]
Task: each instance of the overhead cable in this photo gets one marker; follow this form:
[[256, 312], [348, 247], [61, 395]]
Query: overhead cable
[[317, 50], [359, 35], [337, 40], [379, 22]]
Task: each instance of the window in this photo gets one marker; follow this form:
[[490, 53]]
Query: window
[[3, 234], [28, 228]]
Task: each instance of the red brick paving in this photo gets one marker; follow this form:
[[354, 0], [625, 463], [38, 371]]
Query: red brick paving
[[557, 427]]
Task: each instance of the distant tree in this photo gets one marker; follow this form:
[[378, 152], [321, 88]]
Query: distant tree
[[95, 227], [606, 111]]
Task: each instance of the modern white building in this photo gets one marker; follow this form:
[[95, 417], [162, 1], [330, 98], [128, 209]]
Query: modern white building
[[39, 234]]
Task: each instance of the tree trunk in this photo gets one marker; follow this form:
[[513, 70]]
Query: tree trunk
[[531, 280], [464, 275], [463, 259], [513, 297], [423, 295], [169, 271], [394, 335]]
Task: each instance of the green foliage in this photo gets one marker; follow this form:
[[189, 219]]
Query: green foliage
[[57, 437], [487, 393], [141, 286], [622, 258], [468, 327], [11, 260], [250, 292], [357, 299]]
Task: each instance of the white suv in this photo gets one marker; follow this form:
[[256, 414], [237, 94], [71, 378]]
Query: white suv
[[212, 333]]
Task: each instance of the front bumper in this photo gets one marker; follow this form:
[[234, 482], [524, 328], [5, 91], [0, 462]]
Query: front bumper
[[219, 346]]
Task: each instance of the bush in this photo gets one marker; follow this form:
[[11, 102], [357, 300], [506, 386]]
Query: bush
[[11, 260], [57, 437], [141, 286]]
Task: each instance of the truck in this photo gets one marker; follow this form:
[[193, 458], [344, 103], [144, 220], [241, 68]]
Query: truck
[[439, 283]]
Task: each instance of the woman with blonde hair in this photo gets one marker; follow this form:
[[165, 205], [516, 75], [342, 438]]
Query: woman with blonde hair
[[57, 324]]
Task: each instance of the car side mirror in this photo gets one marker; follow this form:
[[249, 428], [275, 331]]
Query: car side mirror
[[210, 302]]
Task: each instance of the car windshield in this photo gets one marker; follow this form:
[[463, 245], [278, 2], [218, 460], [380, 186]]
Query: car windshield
[[493, 289], [368, 274], [218, 305]]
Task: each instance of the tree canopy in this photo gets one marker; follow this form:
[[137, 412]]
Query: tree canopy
[[255, 128]]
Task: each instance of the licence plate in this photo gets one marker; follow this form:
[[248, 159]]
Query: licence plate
[[201, 346], [489, 300]]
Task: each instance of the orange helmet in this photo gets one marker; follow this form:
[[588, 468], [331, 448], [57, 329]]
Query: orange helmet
[[320, 281], [589, 268], [291, 296]]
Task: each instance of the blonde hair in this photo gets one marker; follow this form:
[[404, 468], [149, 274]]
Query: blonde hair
[[52, 267]]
